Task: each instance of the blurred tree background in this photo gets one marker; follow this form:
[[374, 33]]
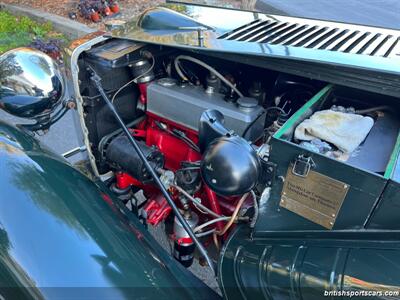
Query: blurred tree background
[[248, 4]]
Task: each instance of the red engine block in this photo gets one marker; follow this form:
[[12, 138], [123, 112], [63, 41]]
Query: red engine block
[[175, 151]]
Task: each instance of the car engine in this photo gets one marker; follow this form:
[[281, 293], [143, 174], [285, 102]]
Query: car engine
[[203, 125]]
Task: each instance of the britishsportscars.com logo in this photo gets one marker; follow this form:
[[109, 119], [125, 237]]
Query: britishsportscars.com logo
[[362, 293]]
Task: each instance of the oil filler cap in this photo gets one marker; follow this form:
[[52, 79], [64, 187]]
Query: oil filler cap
[[247, 103], [166, 82]]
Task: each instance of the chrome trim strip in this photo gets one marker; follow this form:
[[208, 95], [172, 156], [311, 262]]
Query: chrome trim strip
[[79, 101]]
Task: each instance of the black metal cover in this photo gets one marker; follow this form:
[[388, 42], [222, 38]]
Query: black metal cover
[[230, 166]]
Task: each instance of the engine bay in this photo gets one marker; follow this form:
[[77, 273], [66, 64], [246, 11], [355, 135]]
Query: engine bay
[[204, 124]]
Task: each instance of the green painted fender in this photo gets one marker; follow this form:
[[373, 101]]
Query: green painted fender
[[63, 236]]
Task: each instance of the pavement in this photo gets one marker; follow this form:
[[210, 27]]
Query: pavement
[[61, 137], [383, 13]]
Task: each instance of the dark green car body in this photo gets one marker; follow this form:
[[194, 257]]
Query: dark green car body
[[64, 236]]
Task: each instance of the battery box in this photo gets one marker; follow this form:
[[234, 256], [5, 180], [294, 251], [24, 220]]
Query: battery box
[[312, 191]]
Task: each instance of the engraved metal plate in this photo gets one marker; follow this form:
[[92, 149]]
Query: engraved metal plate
[[317, 197]]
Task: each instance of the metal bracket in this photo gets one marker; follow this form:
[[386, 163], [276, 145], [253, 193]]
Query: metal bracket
[[269, 172], [74, 151], [302, 165], [200, 33]]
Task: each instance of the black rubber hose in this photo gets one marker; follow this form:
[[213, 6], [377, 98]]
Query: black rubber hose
[[46, 125], [59, 115], [252, 124], [96, 80]]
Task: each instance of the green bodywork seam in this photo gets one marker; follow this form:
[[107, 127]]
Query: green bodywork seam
[[289, 123], [393, 159]]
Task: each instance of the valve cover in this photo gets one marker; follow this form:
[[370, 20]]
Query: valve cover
[[184, 104]]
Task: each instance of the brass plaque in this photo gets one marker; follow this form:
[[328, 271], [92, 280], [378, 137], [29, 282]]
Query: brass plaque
[[317, 197]]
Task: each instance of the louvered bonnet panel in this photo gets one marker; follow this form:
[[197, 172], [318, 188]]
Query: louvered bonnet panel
[[322, 35]]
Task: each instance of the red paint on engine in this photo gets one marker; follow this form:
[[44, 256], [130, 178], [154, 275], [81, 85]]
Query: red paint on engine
[[157, 210], [174, 149], [123, 180], [143, 92]]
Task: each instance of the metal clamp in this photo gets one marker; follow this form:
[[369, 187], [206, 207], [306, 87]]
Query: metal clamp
[[302, 165], [74, 151], [200, 33]]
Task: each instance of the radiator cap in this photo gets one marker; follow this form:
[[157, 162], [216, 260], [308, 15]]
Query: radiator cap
[[247, 103]]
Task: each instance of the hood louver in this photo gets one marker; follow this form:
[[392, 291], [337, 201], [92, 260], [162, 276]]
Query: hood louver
[[312, 34]]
